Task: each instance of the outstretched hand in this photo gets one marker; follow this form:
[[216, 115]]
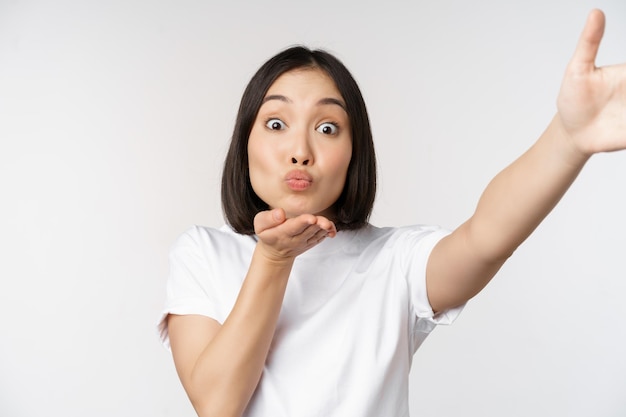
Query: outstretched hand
[[592, 100], [283, 239]]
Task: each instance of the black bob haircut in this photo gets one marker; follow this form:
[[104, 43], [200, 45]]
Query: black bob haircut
[[354, 206]]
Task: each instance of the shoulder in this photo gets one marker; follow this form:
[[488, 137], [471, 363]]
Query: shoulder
[[407, 247], [401, 236], [392, 244], [207, 241], [209, 236]]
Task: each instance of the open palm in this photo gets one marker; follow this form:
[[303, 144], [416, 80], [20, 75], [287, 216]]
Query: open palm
[[592, 101]]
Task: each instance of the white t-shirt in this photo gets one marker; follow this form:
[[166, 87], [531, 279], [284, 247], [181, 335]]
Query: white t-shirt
[[354, 313]]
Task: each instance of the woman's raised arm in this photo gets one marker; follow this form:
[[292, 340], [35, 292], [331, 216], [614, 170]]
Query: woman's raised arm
[[591, 118]]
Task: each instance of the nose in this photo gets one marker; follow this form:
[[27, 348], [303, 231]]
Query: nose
[[301, 153]]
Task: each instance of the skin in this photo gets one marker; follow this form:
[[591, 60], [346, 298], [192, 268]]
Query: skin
[[591, 118], [220, 366], [302, 125]]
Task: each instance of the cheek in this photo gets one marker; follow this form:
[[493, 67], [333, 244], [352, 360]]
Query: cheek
[[340, 164], [261, 167], [343, 160], [255, 169], [256, 155]]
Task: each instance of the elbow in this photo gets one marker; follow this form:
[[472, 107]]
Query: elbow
[[216, 401], [209, 408]]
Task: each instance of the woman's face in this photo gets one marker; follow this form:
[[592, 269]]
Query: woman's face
[[300, 144]]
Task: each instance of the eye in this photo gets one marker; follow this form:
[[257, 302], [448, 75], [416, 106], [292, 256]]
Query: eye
[[275, 124], [328, 128]]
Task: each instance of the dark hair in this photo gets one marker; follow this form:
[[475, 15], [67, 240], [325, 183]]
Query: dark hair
[[354, 206]]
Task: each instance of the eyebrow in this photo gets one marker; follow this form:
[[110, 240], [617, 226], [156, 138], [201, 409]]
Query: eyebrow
[[330, 100], [323, 102]]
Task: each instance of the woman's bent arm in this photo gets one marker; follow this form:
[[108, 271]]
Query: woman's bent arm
[[220, 365]]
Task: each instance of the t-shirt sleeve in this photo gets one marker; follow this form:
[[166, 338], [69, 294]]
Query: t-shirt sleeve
[[417, 245], [188, 285], [417, 269]]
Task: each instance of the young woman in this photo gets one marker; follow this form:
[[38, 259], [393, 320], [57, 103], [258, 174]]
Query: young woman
[[299, 307]]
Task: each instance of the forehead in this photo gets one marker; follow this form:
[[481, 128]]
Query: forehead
[[304, 81]]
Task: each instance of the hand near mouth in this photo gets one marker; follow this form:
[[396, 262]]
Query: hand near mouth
[[282, 239]]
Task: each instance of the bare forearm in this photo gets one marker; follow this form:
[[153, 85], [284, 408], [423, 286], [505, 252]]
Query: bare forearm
[[220, 365], [590, 119], [228, 370], [511, 207], [522, 195]]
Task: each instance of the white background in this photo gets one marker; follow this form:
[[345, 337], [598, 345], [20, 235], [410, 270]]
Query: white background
[[114, 121]]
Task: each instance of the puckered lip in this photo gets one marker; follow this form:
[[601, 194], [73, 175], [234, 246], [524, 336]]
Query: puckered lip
[[298, 175]]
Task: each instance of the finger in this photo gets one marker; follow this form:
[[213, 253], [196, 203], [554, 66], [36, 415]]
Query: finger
[[267, 219], [589, 41], [315, 233], [327, 226], [318, 237], [312, 233], [298, 225]]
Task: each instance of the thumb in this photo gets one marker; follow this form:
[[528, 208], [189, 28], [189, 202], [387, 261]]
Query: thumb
[[589, 42], [267, 219]]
